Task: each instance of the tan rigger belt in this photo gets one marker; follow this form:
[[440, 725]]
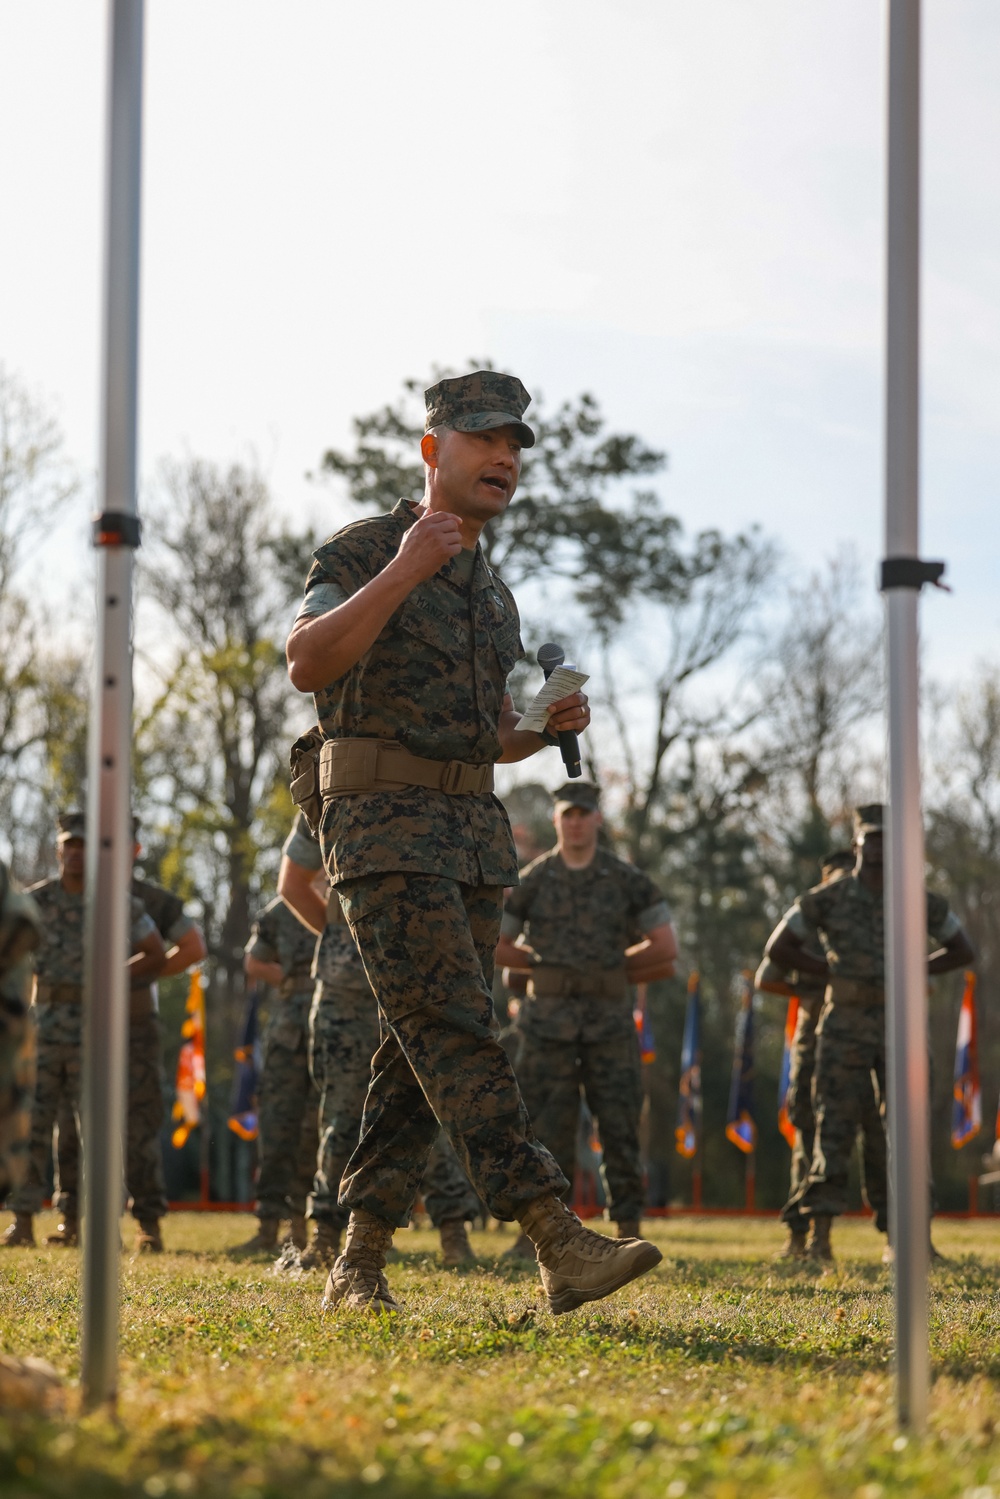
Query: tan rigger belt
[[347, 766], [553, 980], [58, 994], [854, 992], [140, 999]]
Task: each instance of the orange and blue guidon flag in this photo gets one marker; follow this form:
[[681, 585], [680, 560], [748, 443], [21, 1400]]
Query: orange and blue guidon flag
[[967, 1100], [189, 1091], [740, 1126], [688, 1131], [243, 1109], [784, 1122]]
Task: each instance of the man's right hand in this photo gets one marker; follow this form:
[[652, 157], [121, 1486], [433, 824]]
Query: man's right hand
[[427, 545]]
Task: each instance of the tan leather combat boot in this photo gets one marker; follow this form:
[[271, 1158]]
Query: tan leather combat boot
[[521, 1252], [356, 1280], [149, 1240], [323, 1250], [577, 1265], [628, 1228], [819, 1247], [298, 1232], [794, 1247], [264, 1241], [67, 1234], [20, 1234], [455, 1247]]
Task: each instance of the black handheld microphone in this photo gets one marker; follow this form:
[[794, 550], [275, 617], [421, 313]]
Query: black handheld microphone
[[549, 657]]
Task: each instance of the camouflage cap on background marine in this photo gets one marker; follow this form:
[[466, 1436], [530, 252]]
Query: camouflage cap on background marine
[[74, 825], [477, 402], [869, 818], [71, 825], [578, 794]]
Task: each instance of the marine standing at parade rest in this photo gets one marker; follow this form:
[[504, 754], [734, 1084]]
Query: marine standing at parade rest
[[809, 990], [280, 953], [837, 933], [145, 1108], [343, 1038], [575, 914], [58, 1008], [406, 637]]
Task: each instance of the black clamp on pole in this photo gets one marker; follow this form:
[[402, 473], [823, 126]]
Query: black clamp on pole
[[117, 528], [910, 572]]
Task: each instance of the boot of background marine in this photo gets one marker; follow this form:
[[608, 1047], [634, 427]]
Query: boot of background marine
[[149, 1239], [455, 1247], [264, 1241], [818, 1246], [67, 1234], [521, 1252], [795, 1245], [20, 1234]]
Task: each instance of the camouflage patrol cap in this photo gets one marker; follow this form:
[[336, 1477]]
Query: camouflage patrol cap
[[578, 794], [477, 402], [74, 825], [71, 825], [869, 818]]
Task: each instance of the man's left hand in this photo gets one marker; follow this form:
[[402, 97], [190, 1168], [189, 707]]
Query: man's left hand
[[569, 714]]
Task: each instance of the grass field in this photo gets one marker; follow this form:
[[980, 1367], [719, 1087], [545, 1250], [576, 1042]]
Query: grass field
[[723, 1373]]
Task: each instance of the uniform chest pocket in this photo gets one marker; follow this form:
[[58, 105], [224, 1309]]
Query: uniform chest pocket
[[507, 644], [435, 629]]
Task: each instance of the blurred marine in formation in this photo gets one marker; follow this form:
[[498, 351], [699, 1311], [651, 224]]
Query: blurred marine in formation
[[280, 953], [146, 1110], [836, 932], [570, 926], [344, 1036], [20, 934], [58, 1010], [809, 990], [406, 637]]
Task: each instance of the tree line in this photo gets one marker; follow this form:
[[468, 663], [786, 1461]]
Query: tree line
[[737, 716]]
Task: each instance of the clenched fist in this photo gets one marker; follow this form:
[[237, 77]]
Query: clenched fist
[[428, 545]]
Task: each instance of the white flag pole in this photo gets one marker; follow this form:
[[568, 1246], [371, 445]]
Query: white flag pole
[[109, 825], [903, 575]]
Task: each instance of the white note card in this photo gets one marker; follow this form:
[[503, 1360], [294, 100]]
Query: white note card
[[563, 681]]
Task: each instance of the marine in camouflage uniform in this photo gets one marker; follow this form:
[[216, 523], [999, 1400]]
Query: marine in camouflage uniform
[[287, 1101], [406, 637], [146, 1107], [20, 934], [344, 1036], [58, 1011], [577, 911], [837, 932], [810, 991]]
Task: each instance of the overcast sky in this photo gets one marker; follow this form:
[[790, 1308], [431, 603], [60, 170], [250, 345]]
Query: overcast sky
[[675, 206]]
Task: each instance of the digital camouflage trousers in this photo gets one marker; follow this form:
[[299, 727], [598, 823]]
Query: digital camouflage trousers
[[601, 1060], [874, 1166], [287, 1110], [57, 1086], [344, 1036], [17, 1072], [849, 1076], [145, 1114], [427, 945]]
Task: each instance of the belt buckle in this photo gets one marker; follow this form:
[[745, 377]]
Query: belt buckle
[[453, 777]]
